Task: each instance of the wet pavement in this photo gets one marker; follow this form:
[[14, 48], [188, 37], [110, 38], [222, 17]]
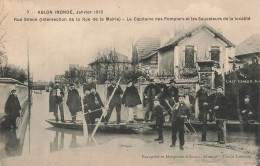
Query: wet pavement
[[48, 145]]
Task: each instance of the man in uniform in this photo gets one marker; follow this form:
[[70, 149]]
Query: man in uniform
[[180, 111], [115, 101], [220, 108]]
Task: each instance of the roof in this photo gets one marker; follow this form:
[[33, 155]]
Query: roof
[[147, 46], [9, 81], [248, 46], [187, 33]]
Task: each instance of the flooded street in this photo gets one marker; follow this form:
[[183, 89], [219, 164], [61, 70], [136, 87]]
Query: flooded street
[[47, 145]]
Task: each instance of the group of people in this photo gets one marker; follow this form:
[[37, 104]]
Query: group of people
[[159, 101]]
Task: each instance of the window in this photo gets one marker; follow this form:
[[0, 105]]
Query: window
[[215, 51], [189, 56]]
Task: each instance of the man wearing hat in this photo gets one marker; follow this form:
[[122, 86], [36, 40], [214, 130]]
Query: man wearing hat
[[202, 96], [131, 99], [150, 92], [159, 113], [59, 101], [94, 105], [12, 108], [220, 108], [174, 91], [180, 112], [73, 102], [114, 102]]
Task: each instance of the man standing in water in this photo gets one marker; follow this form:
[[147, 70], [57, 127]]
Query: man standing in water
[[12, 108], [220, 108], [115, 101], [73, 102]]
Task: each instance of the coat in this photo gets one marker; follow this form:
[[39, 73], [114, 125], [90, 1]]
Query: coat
[[159, 115], [149, 94], [174, 93], [181, 110], [220, 101], [12, 106], [93, 102], [74, 101], [202, 95], [52, 100], [116, 98], [131, 97]]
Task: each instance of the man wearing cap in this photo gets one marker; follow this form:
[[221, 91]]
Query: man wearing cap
[[115, 101], [59, 101], [174, 91], [73, 102], [180, 112], [159, 113], [150, 92], [202, 96], [94, 105], [12, 108], [220, 108]]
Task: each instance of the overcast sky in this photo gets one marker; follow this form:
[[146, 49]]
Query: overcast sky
[[55, 45]]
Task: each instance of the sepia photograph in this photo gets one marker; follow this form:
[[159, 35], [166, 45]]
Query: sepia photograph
[[129, 82]]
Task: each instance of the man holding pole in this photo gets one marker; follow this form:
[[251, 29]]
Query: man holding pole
[[115, 101], [180, 111]]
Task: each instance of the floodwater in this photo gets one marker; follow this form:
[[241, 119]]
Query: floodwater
[[41, 140]]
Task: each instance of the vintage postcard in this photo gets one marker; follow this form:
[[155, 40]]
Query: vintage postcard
[[129, 82]]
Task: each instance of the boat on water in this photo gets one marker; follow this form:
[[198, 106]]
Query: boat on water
[[111, 125]]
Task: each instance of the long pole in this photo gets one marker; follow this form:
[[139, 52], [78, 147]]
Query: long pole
[[29, 93], [110, 98]]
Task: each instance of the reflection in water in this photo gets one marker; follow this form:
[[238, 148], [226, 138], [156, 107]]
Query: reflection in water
[[73, 142], [12, 144], [54, 146]]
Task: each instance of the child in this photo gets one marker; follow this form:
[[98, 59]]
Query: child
[[159, 113], [247, 110]]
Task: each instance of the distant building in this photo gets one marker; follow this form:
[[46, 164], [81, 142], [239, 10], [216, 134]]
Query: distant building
[[145, 55], [248, 50]]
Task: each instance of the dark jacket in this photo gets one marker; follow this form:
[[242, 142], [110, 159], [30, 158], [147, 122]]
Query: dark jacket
[[211, 100], [116, 98], [159, 114], [131, 97], [202, 95], [52, 100], [182, 110], [174, 93], [220, 101], [73, 100], [165, 95], [247, 107], [85, 103], [150, 92], [93, 101], [12, 106]]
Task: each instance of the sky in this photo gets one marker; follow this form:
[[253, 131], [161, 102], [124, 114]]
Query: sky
[[55, 45]]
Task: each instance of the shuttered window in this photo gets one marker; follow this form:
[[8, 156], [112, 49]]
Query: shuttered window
[[215, 52], [189, 56]]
